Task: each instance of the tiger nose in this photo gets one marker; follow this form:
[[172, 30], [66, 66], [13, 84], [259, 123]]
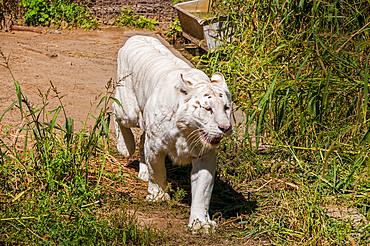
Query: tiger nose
[[224, 128]]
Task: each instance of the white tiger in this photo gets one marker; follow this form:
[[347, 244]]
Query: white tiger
[[183, 113]]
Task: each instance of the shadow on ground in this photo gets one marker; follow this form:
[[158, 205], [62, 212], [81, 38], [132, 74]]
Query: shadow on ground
[[226, 203]]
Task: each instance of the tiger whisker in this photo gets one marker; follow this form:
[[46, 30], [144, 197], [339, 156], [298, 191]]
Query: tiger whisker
[[204, 147], [193, 133], [199, 139], [195, 143], [194, 138]]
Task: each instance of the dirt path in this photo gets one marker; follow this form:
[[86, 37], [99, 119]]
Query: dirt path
[[85, 62], [79, 64], [82, 64]]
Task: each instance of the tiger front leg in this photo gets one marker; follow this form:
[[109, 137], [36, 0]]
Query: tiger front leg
[[202, 177], [155, 162]]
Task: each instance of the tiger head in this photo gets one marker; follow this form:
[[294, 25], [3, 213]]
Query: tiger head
[[204, 110]]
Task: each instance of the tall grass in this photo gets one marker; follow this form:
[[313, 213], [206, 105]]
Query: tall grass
[[300, 72], [51, 178]]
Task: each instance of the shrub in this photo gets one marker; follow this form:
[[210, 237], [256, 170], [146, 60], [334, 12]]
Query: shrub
[[128, 18], [57, 12]]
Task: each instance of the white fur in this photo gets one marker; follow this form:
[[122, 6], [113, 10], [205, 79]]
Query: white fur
[[183, 113]]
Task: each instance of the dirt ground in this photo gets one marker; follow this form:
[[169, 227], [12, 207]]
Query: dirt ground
[[84, 62]]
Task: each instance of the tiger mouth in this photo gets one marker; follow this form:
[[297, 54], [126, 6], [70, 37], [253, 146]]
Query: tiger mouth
[[211, 141]]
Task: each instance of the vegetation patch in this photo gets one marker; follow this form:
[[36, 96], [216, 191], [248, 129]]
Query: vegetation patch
[[128, 18], [54, 181], [58, 12], [299, 72], [175, 30]]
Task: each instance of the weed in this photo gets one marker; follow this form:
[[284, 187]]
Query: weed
[[175, 30], [131, 233], [38, 12], [128, 18], [45, 13], [178, 195]]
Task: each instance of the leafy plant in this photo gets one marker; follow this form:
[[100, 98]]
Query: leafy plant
[[175, 30], [73, 14], [44, 13], [37, 13], [128, 18]]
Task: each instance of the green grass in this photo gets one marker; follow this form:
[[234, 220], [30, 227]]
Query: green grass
[[51, 185], [300, 71]]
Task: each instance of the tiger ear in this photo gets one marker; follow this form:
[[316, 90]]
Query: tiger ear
[[184, 84], [219, 79]]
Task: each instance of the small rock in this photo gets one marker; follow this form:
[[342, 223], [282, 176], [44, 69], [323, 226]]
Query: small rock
[[55, 32]]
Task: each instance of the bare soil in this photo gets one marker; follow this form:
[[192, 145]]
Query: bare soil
[[85, 61]]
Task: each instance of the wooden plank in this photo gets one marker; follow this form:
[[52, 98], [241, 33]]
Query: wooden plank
[[48, 54], [24, 28]]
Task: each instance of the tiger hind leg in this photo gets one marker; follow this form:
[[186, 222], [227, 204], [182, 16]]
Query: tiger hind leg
[[143, 168], [125, 140]]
